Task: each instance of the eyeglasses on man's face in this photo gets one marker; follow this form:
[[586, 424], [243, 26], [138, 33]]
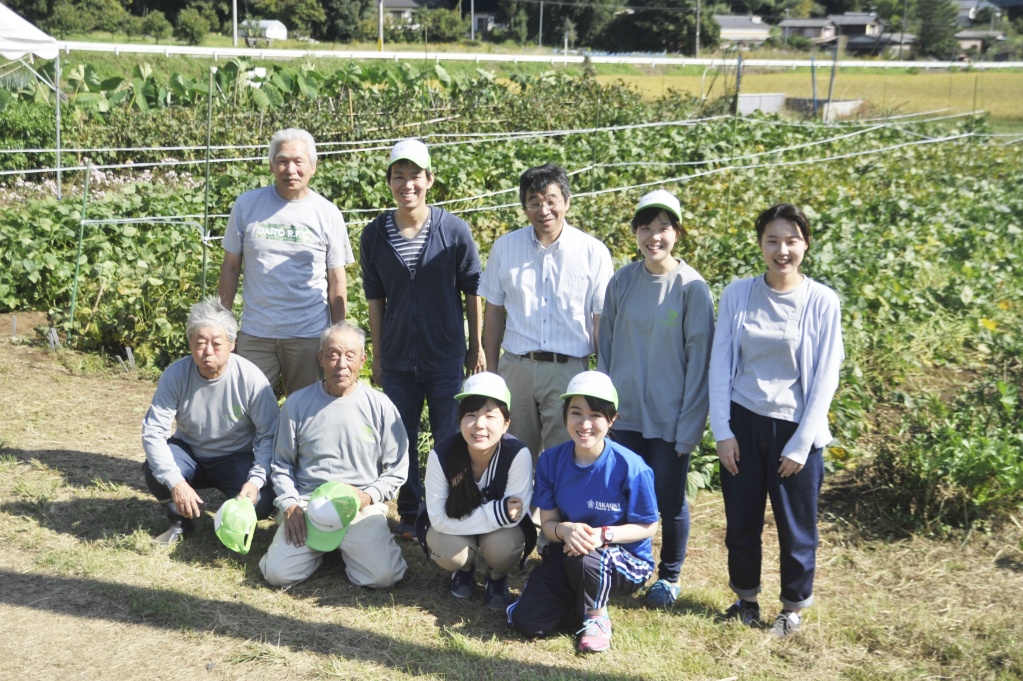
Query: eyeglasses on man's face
[[538, 206]]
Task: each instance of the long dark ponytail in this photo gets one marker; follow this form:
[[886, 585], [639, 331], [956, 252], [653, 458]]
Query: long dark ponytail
[[463, 493]]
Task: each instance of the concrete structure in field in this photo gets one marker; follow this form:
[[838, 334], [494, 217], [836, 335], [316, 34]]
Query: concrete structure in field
[[770, 102]]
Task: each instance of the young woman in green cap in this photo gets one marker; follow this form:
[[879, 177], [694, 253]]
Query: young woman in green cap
[[479, 483], [597, 508], [655, 338]]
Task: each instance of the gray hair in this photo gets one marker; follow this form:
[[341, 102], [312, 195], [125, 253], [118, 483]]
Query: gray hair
[[339, 328], [210, 313], [292, 135]]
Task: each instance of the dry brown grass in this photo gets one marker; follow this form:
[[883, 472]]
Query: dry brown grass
[[85, 595], [998, 93]]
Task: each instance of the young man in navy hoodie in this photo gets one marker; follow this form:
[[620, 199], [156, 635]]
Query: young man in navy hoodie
[[418, 262]]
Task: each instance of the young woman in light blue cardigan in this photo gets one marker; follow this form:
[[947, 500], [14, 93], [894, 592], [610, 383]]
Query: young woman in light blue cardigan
[[773, 372]]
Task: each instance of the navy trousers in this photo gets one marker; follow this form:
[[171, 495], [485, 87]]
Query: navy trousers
[[408, 390], [670, 473], [561, 589], [794, 502], [225, 473]]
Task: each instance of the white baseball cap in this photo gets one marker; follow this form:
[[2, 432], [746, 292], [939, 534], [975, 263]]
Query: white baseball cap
[[660, 198], [410, 150], [486, 384], [592, 384]]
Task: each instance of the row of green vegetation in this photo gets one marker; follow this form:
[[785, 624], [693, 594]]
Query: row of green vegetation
[[917, 227], [615, 25]]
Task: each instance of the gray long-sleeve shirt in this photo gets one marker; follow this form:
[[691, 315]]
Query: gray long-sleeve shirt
[[655, 338], [358, 439], [235, 412]]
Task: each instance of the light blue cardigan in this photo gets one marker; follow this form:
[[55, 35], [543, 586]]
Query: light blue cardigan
[[820, 356]]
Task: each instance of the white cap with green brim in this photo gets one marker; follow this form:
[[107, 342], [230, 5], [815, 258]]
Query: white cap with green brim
[[330, 511], [410, 150], [486, 384], [592, 384], [660, 198], [235, 523]]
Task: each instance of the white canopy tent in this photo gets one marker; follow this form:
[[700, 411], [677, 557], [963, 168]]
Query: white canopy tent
[[20, 41]]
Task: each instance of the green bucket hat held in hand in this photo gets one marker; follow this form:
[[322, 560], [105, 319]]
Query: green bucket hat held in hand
[[235, 523], [330, 511]]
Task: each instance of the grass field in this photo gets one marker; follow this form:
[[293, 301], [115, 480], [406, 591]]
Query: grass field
[[85, 594]]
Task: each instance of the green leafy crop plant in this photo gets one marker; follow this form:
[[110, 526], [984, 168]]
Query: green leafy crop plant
[[919, 237]]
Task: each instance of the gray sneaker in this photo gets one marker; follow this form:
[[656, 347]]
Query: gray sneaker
[[176, 532], [661, 595], [786, 624]]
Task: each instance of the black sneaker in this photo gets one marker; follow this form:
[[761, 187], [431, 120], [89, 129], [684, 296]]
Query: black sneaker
[[462, 583], [746, 612], [406, 527], [496, 595]]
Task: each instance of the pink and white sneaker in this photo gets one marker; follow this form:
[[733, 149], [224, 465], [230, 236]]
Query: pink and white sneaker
[[595, 636]]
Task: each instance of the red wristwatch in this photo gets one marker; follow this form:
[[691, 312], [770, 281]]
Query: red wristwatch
[[607, 535]]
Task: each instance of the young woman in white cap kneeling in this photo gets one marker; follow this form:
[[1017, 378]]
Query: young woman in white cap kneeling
[[598, 508], [478, 481]]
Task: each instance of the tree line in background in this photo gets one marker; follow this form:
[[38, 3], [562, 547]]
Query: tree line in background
[[612, 25]]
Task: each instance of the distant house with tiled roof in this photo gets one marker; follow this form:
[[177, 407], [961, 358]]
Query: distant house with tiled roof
[[400, 11], [857, 23], [975, 39], [968, 10], [742, 30], [898, 45], [819, 31]]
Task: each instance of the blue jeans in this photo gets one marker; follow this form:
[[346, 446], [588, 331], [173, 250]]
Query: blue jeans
[[225, 473], [670, 473], [793, 500], [408, 389]]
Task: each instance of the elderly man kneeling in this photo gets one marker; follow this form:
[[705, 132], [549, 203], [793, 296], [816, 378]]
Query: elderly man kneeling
[[226, 416], [338, 430]]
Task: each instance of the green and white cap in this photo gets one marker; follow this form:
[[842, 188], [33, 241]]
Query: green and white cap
[[486, 384], [592, 384], [410, 150], [235, 523], [660, 198], [330, 511]]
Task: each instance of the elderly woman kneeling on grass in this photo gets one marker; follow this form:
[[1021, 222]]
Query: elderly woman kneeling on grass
[[598, 508], [478, 481]]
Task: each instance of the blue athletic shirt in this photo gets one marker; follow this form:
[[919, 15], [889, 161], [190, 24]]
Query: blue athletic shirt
[[617, 489]]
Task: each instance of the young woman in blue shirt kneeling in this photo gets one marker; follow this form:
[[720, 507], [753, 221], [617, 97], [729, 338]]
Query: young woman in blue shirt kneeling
[[598, 509]]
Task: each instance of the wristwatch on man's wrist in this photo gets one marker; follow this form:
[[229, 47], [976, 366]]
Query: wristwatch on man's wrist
[[607, 535]]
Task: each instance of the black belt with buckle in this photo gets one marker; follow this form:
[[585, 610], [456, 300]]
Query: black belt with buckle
[[547, 357]]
